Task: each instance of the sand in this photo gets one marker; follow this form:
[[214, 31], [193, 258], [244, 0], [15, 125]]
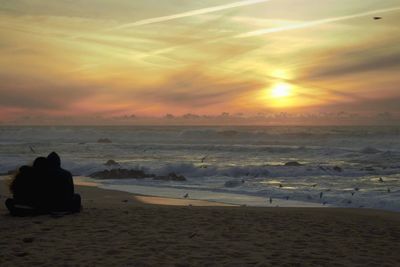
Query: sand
[[118, 229]]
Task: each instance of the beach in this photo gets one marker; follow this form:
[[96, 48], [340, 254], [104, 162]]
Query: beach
[[122, 229]]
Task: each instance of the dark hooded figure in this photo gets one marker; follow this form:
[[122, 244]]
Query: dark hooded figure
[[61, 186]]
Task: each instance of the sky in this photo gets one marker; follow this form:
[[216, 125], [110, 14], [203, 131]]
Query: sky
[[208, 61]]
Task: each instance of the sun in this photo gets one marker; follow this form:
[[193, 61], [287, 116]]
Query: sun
[[281, 90]]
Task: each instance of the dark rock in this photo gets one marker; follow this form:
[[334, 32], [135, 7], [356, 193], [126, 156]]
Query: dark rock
[[370, 150], [111, 162], [337, 168], [293, 163], [104, 140], [121, 174], [171, 177], [233, 183], [134, 174]]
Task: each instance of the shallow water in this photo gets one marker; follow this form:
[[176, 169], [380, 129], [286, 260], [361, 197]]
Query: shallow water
[[345, 164]]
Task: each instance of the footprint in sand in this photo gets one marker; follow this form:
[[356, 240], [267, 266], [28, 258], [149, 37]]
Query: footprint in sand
[[28, 239], [21, 254]]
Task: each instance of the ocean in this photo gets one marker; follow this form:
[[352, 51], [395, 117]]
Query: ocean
[[328, 166]]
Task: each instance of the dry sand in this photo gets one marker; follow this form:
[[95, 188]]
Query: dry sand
[[116, 229]]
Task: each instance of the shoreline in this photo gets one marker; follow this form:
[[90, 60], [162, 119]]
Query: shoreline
[[231, 199], [159, 199]]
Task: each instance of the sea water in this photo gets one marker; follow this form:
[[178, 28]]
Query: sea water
[[338, 166]]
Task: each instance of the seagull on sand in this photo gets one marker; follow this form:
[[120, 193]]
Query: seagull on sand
[[186, 195], [203, 158]]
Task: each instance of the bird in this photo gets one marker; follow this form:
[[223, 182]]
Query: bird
[[186, 195], [324, 203], [280, 185], [352, 193], [388, 190], [203, 158], [380, 180], [193, 235], [314, 185], [377, 18], [32, 150]]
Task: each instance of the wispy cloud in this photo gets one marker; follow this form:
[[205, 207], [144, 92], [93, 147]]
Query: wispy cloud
[[309, 24], [188, 14]]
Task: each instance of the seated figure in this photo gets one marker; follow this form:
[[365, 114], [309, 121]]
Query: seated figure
[[43, 188]]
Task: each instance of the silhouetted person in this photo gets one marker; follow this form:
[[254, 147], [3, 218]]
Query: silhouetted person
[[43, 188], [26, 189], [61, 186]]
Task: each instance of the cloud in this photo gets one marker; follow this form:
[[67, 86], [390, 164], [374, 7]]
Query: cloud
[[380, 55], [192, 88], [314, 23], [33, 93], [191, 13], [382, 63], [370, 108]]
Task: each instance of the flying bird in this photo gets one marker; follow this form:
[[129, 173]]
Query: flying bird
[[186, 195], [203, 158], [32, 150]]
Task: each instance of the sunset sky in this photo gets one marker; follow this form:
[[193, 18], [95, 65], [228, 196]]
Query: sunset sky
[[96, 60]]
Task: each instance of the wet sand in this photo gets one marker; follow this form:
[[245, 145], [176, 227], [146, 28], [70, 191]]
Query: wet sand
[[119, 229]]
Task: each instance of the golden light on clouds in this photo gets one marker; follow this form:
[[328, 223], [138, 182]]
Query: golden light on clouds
[[134, 57]]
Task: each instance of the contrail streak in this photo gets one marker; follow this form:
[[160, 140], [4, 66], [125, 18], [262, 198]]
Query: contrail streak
[[313, 23], [189, 14]]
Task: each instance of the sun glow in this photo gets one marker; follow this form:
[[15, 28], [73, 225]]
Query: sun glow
[[281, 90]]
